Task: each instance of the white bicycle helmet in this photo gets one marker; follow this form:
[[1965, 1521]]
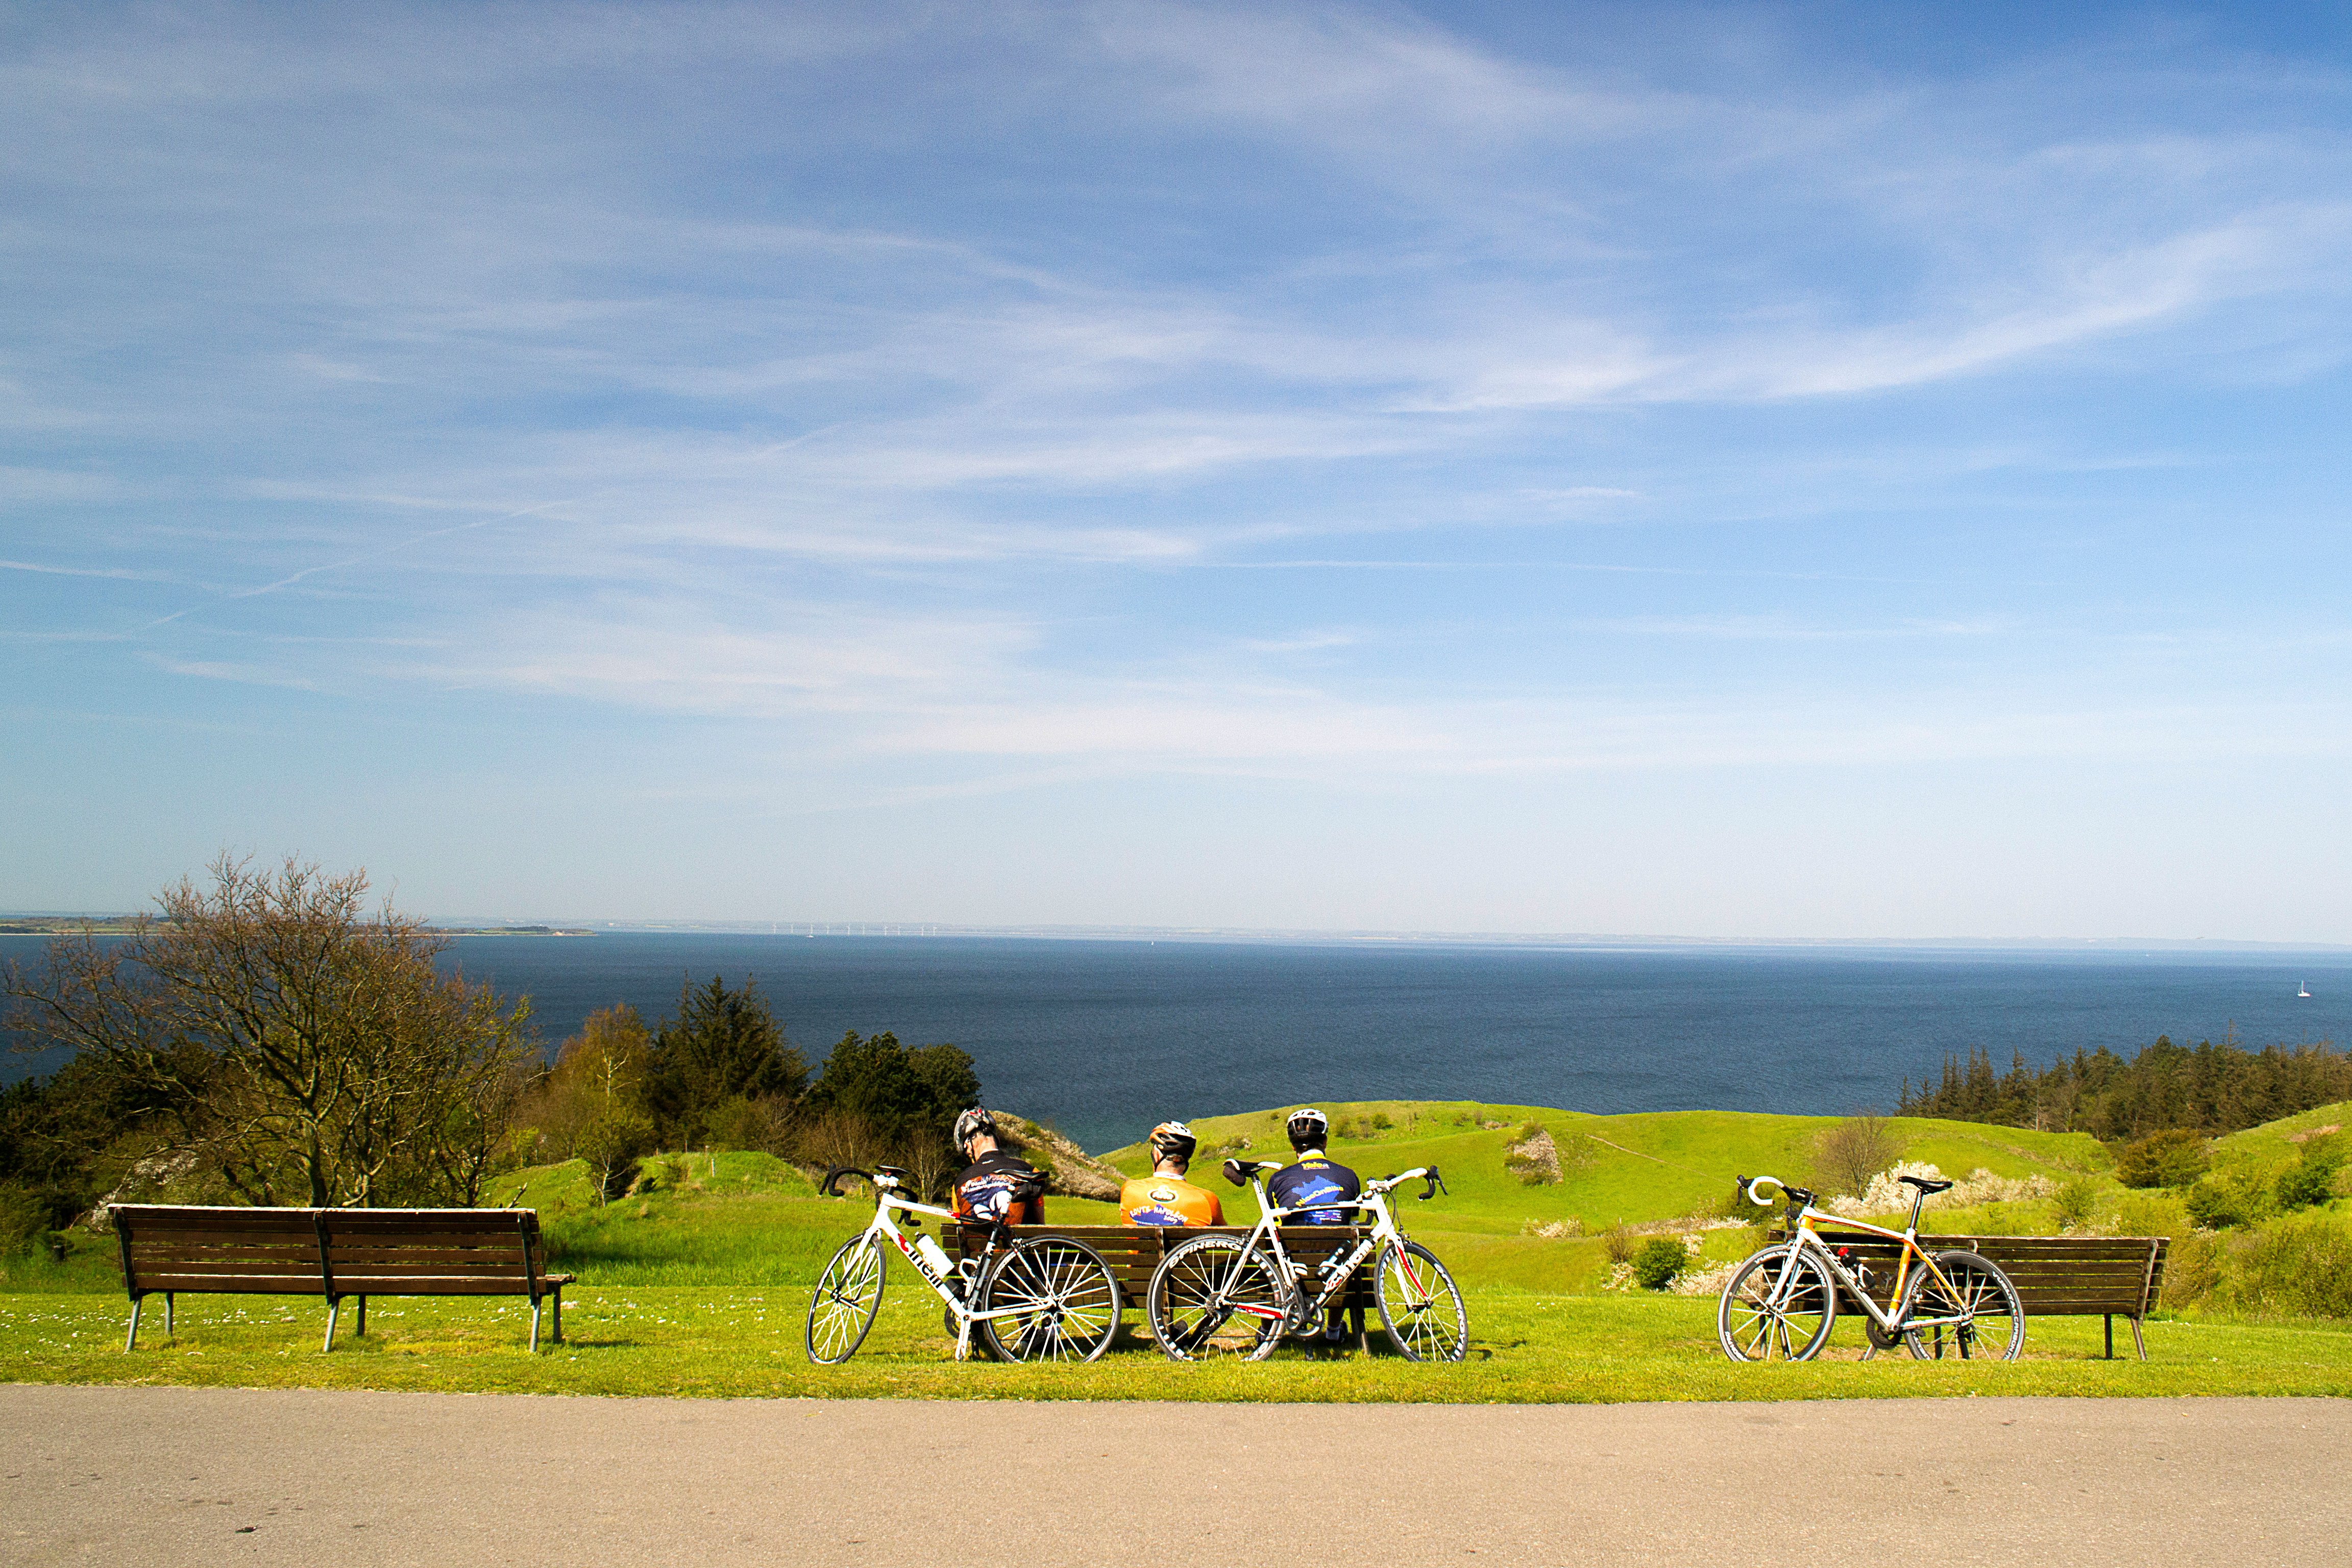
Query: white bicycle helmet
[[972, 1124], [1310, 1129]]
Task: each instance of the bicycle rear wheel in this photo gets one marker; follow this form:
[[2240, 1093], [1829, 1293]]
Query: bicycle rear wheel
[[1759, 1319], [1419, 1305], [1062, 1298], [842, 1308], [1980, 1313], [1210, 1299]]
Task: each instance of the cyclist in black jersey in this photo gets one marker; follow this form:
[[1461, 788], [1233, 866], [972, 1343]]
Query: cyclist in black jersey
[[1315, 1176], [996, 1185]]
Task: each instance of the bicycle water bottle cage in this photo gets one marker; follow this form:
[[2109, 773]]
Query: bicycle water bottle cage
[[1925, 1184]]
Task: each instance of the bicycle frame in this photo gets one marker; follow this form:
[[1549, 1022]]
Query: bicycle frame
[[889, 1203], [1802, 1239], [1336, 1275]]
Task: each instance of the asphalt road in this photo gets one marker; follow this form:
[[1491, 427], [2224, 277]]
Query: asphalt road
[[137, 1476]]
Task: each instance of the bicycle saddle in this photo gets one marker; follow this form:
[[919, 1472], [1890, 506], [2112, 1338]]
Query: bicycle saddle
[[1924, 1184]]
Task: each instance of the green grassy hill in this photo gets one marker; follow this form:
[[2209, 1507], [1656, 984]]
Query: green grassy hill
[[1633, 1170]]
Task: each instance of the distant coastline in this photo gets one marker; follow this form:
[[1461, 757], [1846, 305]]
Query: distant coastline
[[123, 925]]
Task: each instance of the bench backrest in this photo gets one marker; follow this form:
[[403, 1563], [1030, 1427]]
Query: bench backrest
[[2054, 1275], [1133, 1251], [330, 1252]]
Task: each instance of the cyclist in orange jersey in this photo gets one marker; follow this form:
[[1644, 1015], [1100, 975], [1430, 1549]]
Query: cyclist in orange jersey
[[1165, 1197]]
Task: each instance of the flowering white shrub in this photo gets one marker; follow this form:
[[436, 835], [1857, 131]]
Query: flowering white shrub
[[1704, 1281], [1887, 1194]]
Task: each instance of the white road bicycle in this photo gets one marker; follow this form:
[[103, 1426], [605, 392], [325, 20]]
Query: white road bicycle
[[1039, 1299], [1219, 1296], [1783, 1302]]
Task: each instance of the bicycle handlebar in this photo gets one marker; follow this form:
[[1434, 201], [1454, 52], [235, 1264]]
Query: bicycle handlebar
[[1433, 1182], [835, 1175], [1748, 1186]]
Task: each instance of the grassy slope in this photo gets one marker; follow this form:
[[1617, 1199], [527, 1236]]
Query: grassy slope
[[698, 1287], [1630, 1169]]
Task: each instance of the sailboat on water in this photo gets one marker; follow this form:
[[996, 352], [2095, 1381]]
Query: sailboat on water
[[2303, 989]]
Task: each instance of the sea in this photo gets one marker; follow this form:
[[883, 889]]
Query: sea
[[1105, 1038]]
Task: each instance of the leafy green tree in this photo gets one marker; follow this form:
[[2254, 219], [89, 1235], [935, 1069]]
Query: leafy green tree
[[722, 1045]]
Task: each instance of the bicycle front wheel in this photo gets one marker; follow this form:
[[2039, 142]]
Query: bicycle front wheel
[[1779, 1306], [1974, 1307], [1212, 1300], [1058, 1299], [848, 1295], [1419, 1305]]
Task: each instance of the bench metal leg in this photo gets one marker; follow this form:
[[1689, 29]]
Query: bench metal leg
[[2111, 1336], [334, 1305], [130, 1340], [534, 1326], [168, 1304], [2139, 1341], [359, 1329], [557, 1293]]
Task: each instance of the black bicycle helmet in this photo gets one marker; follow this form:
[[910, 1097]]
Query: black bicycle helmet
[[1172, 1140], [972, 1124], [1310, 1129]]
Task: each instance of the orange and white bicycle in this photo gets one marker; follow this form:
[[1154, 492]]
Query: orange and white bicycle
[[1783, 1302]]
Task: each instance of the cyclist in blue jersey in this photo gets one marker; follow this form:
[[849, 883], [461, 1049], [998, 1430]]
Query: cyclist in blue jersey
[[1314, 1176]]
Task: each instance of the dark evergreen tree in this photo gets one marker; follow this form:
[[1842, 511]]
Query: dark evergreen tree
[[724, 1045]]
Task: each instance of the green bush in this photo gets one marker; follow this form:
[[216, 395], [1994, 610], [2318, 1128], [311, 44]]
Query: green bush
[[2077, 1198], [2296, 1267], [2172, 1159], [1659, 1260], [2312, 1179], [2192, 1267], [2215, 1205], [23, 1216], [1380, 1122]]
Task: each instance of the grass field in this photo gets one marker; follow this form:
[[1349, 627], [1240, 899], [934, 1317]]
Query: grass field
[[700, 1286]]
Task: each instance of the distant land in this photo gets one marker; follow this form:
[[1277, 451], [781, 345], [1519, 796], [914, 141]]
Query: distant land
[[122, 925]]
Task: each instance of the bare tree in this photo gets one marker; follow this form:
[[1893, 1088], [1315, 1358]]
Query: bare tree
[[306, 1050], [1855, 1150]]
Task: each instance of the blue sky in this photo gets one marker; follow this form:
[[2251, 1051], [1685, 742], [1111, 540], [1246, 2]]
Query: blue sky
[[1757, 471]]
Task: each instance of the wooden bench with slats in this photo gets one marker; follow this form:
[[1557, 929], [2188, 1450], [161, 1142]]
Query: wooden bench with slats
[[176, 1249], [1133, 1251], [2056, 1276]]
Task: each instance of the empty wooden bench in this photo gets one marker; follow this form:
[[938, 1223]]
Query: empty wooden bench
[[1134, 1251], [2056, 1276], [173, 1249]]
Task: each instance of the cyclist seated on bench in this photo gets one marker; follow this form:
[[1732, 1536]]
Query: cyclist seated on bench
[[1315, 1177], [996, 1185], [1165, 1197]]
